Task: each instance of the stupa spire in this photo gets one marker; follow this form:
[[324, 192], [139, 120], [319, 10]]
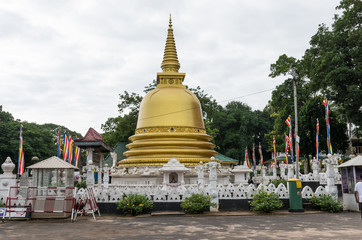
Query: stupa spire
[[170, 61]]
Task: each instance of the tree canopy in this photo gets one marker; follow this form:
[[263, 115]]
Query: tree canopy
[[331, 67], [38, 140]]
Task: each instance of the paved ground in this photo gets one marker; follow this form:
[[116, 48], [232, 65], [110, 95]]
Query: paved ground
[[231, 225]]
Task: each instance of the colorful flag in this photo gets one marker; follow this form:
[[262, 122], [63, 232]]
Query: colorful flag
[[288, 122], [261, 156], [77, 154], [286, 148], [86, 153], [275, 153], [21, 160], [59, 142], [70, 157], [247, 157], [66, 148], [317, 141], [254, 156], [329, 144]]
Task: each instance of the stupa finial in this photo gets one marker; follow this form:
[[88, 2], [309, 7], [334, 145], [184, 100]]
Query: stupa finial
[[170, 61]]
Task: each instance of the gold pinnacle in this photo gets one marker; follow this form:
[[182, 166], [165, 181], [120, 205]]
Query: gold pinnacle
[[170, 61]]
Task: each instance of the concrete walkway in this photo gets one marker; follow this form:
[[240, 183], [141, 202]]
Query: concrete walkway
[[225, 225]]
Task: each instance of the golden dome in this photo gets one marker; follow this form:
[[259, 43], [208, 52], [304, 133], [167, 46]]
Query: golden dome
[[170, 106], [170, 120]]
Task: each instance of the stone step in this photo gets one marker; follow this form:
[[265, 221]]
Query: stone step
[[167, 213]]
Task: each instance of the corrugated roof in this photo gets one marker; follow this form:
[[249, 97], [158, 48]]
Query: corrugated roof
[[52, 162], [357, 161], [226, 159]]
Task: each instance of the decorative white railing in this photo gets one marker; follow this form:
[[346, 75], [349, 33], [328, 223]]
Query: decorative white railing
[[177, 194]]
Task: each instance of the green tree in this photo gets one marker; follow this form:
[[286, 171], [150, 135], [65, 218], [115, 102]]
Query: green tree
[[333, 62], [240, 127], [38, 140], [310, 109]]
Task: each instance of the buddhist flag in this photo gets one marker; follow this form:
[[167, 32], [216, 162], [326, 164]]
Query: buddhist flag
[[261, 156], [77, 154], [247, 157], [87, 156], [329, 144], [66, 147], [254, 162], [286, 148], [21, 160], [275, 153], [317, 141], [289, 123], [70, 157], [59, 142]]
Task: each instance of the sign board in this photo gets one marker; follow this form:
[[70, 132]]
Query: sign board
[[19, 213]]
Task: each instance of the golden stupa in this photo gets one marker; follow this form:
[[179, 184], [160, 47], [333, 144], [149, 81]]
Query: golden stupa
[[170, 120]]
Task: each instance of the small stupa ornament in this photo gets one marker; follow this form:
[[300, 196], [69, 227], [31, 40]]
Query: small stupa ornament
[[8, 167]]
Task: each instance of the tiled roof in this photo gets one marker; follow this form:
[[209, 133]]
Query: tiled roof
[[91, 136], [52, 162]]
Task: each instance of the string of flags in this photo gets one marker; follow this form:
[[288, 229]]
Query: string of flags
[[69, 152], [253, 156], [65, 145]]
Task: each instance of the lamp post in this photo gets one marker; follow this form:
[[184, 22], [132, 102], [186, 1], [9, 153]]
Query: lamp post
[[296, 124]]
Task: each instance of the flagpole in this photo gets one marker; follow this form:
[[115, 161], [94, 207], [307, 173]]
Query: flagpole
[[296, 125]]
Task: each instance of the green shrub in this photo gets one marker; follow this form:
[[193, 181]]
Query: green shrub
[[266, 202], [82, 184], [134, 204], [2, 204], [196, 203], [326, 203], [276, 182]]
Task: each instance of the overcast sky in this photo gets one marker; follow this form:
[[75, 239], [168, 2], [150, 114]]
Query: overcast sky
[[66, 62]]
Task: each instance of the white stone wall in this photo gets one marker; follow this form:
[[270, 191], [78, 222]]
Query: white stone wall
[[177, 194]]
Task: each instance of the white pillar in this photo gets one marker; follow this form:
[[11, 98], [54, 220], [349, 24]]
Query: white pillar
[[331, 188], [90, 173], [200, 176], [274, 169], [106, 176], [282, 170], [90, 154], [100, 170], [290, 171], [212, 166], [315, 169]]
